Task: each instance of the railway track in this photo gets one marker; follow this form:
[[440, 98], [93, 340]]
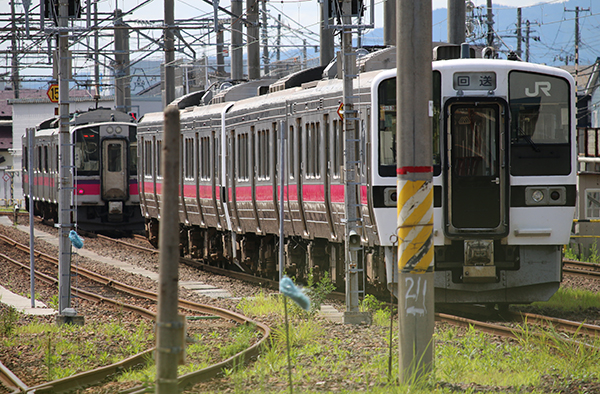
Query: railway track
[[98, 375], [581, 268]]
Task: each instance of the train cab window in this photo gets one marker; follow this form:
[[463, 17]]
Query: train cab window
[[540, 124], [387, 126], [87, 159]]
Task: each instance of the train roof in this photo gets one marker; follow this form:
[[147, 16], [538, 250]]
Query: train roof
[[97, 115]]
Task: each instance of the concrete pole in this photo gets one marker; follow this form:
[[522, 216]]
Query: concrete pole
[[96, 54], [30, 148], [65, 188], [253, 43], [169, 345], [326, 39], [456, 21], [490, 24], [519, 33], [220, 54], [389, 22], [527, 34], [415, 190], [15, 51], [265, 38], [122, 78], [237, 63], [169, 38], [351, 176], [278, 37]]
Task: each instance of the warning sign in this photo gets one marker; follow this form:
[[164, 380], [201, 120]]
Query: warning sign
[[53, 93]]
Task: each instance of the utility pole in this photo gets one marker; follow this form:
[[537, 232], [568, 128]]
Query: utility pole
[[519, 33], [122, 79], [265, 38], [169, 42], [169, 327], [237, 62], [253, 43], [490, 24], [576, 11], [456, 21], [65, 188], [527, 36], [415, 190]]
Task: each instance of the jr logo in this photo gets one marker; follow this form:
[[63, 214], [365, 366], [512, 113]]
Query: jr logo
[[544, 86]]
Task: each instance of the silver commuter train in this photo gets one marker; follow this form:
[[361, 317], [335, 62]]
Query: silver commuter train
[[104, 164], [504, 179]]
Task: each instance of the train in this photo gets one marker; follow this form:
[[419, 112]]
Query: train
[[104, 169], [504, 159]]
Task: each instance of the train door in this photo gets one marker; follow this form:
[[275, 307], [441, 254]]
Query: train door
[[296, 171], [476, 174], [114, 171]]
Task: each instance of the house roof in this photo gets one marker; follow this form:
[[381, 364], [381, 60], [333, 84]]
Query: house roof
[[7, 98], [586, 76]]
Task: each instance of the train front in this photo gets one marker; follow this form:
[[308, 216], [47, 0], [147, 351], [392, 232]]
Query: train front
[[504, 177]]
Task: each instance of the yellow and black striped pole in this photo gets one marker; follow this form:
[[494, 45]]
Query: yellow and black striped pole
[[415, 190]]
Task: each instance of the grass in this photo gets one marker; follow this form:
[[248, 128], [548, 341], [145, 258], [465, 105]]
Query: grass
[[571, 300]]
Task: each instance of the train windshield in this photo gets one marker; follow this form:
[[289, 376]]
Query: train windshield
[[387, 126], [86, 152], [540, 124]]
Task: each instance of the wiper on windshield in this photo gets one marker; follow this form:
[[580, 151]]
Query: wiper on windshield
[[527, 138]]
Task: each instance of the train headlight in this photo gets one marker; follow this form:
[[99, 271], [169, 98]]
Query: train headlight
[[109, 130], [118, 129], [537, 196]]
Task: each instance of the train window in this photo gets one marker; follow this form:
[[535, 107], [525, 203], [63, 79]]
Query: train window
[[337, 148], [158, 155], [292, 153], [264, 154], [204, 158], [313, 153], [114, 154], [39, 159], [435, 123], [87, 159], [46, 167], [474, 141], [133, 157], [243, 166], [540, 124], [216, 156], [387, 127], [188, 170], [148, 158], [25, 161]]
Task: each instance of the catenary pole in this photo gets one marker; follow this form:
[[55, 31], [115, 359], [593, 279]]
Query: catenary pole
[[169, 81], [30, 143], [237, 63], [456, 21], [65, 188], [253, 43], [415, 189], [169, 341]]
